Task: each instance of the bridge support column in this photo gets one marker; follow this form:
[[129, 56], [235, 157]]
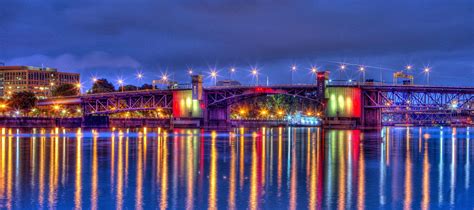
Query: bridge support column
[[217, 117], [371, 117]]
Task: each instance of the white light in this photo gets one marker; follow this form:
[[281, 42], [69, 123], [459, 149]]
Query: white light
[[120, 81], [254, 71], [343, 66], [362, 68], [293, 67], [350, 80], [232, 69], [94, 79], [190, 71], [314, 69], [409, 67], [213, 74], [140, 75], [427, 69]]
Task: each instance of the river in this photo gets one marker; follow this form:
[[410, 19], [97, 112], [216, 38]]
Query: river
[[266, 168]]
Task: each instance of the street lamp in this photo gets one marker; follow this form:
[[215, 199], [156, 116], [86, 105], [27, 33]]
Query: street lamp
[[255, 73], [314, 71], [78, 86], [362, 69], [190, 71], [293, 69], [409, 67], [214, 76], [232, 72], [342, 67], [94, 79], [139, 77], [120, 82], [427, 72]]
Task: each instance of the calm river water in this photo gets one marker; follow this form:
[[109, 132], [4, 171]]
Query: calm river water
[[279, 168]]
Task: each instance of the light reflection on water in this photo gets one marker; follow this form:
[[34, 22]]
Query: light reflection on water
[[295, 168]]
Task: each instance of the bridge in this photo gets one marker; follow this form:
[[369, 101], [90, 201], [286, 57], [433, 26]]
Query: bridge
[[354, 105]]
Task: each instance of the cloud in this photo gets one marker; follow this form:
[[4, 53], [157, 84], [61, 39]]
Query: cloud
[[92, 60]]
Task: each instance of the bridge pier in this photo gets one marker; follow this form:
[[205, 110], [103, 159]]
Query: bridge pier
[[217, 117], [371, 117]]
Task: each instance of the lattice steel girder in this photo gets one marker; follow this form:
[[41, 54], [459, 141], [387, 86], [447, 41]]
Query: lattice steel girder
[[410, 99], [216, 97], [137, 101]]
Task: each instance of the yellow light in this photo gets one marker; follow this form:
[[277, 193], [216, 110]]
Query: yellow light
[[79, 110], [213, 74], [263, 112], [3, 106], [78, 85], [280, 112], [309, 113], [241, 111], [56, 107], [52, 83]]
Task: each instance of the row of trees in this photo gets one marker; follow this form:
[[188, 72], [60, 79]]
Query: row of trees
[[99, 86], [104, 86]]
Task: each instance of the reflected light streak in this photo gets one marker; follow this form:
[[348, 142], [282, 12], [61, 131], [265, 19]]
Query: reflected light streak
[[408, 174], [213, 175], [426, 179], [78, 177], [95, 175], [253, 195]]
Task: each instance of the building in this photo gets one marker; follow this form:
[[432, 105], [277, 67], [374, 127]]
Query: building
[[38, 80]]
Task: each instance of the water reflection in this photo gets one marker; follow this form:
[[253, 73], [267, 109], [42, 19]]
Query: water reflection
[[295, 168]]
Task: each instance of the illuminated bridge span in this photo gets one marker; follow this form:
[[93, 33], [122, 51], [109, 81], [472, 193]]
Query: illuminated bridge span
[[350, 105]]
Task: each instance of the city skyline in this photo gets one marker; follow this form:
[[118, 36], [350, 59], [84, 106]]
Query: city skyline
[[104, 41]]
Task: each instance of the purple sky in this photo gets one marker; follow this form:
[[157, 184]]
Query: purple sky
[[116, 38]]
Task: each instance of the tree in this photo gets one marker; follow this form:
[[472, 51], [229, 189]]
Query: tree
[[65, 90], [146, 87], [23, 100], [129, 88], [102, 86]]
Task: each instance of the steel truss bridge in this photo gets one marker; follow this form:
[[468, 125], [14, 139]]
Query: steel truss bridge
[[226, 96], [419, 105], [380, 104]]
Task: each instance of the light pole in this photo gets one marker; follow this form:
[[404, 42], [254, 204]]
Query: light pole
[[255, 74], [232, 72], [314, 71], [214, 76], [121, 84], [427, 72], [78, 86], [139, 77], [293, 69], [362, 69]]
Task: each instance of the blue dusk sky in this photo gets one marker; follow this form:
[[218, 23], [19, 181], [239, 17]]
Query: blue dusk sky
[[117, 38]]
